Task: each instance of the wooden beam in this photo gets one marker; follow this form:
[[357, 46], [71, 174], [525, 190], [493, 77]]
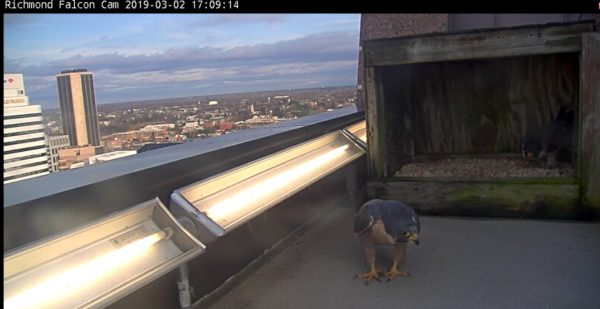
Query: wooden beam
[[506, 42], [589, 142], [375, 124], [489, 199]]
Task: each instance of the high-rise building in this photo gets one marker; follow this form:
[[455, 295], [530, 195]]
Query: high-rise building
[[25, 150], [55, 143], [78, 107]]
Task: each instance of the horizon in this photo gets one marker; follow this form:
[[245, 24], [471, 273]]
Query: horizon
[[205, 95], [145, 57]]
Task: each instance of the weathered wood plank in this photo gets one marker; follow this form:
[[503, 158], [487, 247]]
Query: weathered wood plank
[[375, 121], [590, 120], [507, 42], [399, 119], [558, 201]]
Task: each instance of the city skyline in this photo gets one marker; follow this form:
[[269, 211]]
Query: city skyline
[[144, 57]]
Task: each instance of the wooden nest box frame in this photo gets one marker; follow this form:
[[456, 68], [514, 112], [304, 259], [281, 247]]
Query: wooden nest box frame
[[473, 94]]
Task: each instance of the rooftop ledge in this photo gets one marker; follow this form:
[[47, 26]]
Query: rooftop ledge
[[57, 202], [34, 188]]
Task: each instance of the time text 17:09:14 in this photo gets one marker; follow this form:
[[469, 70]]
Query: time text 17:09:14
[[215, 4]]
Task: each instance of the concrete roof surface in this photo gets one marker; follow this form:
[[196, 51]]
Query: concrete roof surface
[[460, 263]]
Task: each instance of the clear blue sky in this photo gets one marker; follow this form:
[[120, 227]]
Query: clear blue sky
[[151, 56]]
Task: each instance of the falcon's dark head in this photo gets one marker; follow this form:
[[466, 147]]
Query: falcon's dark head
[[532, 150], [412, 234]]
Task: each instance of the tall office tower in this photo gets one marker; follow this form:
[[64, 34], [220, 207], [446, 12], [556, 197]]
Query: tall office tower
[[55, 143], [78, 107], [25, 150]]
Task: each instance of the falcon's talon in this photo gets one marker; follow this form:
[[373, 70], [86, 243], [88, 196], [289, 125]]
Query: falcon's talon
[[393, 273], [373, 274]]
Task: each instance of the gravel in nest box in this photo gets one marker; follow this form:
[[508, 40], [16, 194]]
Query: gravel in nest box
[[483, 167]]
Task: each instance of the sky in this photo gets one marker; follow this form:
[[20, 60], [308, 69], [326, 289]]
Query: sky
[[154, 56]]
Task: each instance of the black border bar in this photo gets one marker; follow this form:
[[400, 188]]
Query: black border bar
[[299, 6]]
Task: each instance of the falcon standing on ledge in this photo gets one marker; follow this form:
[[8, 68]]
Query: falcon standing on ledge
[[380, 222]]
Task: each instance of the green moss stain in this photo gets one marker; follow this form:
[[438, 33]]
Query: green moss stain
[[502, 200]]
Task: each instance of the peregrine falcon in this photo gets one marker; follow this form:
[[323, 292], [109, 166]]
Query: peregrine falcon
[[388, 222], [554, 140]]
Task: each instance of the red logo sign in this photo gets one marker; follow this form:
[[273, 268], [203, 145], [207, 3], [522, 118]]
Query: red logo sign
[[10, 80]]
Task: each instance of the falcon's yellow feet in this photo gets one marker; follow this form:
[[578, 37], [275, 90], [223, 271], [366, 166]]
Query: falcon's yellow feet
[[393, 273], [372, 274]]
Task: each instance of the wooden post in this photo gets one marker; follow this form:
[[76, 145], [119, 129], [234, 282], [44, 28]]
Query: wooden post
[[590, 121], [375, 124]]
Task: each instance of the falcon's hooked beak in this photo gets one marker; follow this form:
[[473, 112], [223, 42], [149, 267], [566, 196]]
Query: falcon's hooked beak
[[414, 237]]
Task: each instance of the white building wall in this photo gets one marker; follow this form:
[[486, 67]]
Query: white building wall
[[14, 87], [25, 149]]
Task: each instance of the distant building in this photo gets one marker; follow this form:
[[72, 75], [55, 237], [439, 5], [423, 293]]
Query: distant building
[[213, 102], [257, 121], [78, 107], [157, 127], [131, 140], [311, 104], [75, 156], [54, 144], [190, 127], [110, 156], [225, 126], [25, 150]]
